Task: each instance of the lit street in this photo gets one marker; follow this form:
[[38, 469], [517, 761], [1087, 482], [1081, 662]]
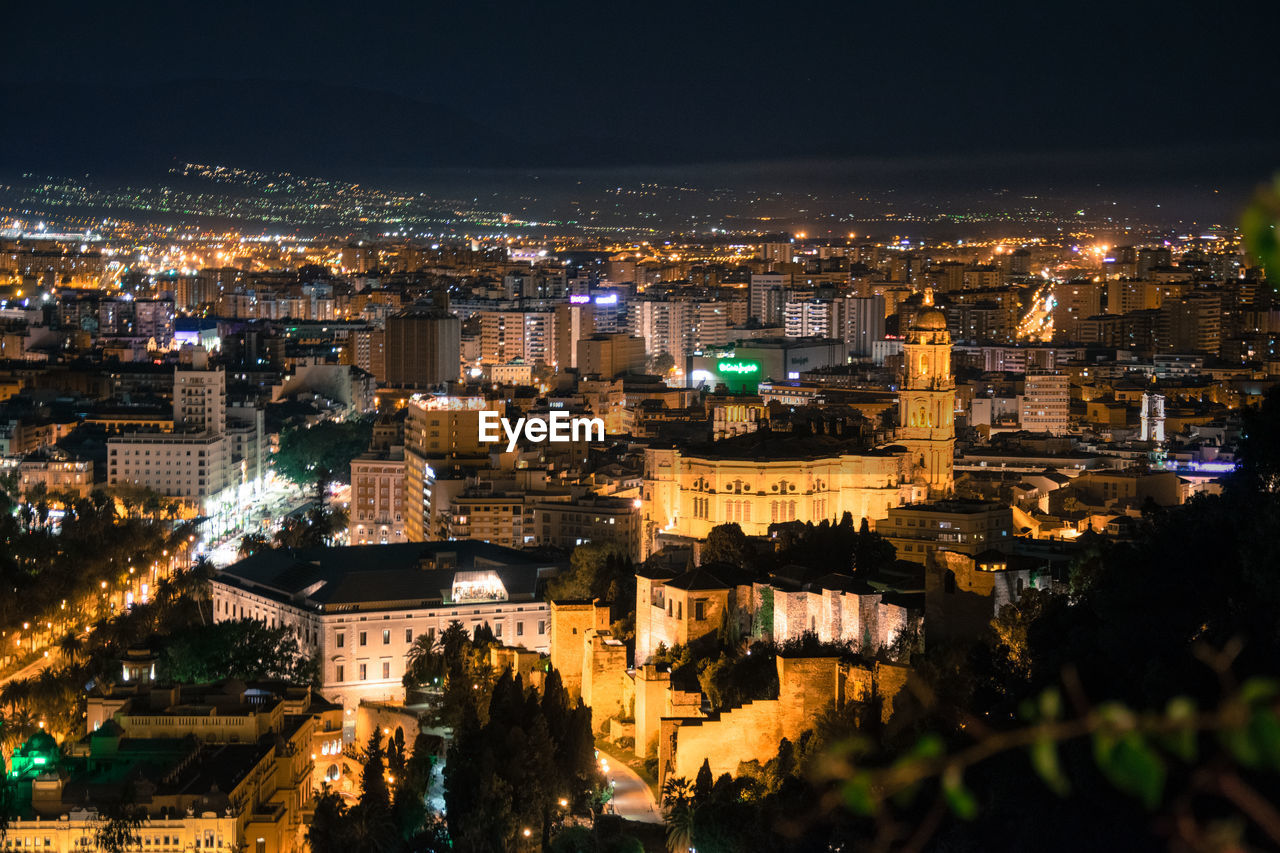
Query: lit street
[[632, 798]]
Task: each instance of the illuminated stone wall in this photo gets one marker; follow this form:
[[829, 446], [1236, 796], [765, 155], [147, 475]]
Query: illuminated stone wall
[[570, 622], [807, 687]]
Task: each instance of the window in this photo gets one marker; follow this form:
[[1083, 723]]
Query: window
[[364, 638], [408, 635], [519, 629], [497, 629], [364, 672], [340, 673], [342, 640], [542, 626], [679, 609], [386, 669], [700, 610], [386, 637]]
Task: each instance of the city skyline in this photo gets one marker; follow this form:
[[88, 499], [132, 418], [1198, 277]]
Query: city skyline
[[580, 428]]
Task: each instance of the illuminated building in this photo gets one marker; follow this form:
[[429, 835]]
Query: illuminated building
[[57, 472], [527, 335], [377, 513], [812, 318], [223, 713], [679, 327], [787, 358], [359, 609], [440, 433], [1045, 404], [777, 251], [926, 425], [967, 527], [757, 480], [197, 792], [197, 462], [1073, 302]]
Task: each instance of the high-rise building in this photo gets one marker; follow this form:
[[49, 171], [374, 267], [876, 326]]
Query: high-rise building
[[926, 407], [509, 335], [777, 252], [679, 327], [764, 297], [1073, 302], [574, 322], [863, 322], [369, 352], [812, 318], [609, 356], [1190, 324], [422, 348], [440, 433], [377, 498], [1045, 404], [200, 397]]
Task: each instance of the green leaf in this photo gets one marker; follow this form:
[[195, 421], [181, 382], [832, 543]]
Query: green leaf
[[1264, 731], [1044, 758], [1050, 704], [1132, 766], [1259, 689], [961, 800], [1181, 742], [1240, 745], [859, 796], [929, 746]]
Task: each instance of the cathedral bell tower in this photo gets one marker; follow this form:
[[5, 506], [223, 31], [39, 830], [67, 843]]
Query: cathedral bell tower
[[926, 403]]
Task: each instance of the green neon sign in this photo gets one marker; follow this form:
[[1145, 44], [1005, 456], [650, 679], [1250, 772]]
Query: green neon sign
[[741, 367]]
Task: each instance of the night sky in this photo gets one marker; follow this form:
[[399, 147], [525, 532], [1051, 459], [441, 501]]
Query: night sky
[[336, 87]]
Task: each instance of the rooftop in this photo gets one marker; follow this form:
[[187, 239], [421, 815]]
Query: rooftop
[[370, 577]]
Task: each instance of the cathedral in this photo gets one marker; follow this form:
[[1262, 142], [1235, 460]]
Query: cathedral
[[759, 480], [926, 403]]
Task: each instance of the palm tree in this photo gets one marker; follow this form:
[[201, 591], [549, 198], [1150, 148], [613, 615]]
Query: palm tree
[[425, 658], [18, 728], [73, 646], [678, 808], [16, 692]]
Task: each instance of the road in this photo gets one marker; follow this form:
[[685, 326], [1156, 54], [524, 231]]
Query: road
[[32, 669], [632, 798]]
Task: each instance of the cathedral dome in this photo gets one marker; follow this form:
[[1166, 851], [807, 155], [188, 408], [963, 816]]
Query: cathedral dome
[[930, 319]]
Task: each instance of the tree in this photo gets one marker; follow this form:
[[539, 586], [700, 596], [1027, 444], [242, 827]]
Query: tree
[[252, 543], [329, 830], [594, 569], [118, 824], [242, 648], [726, 543], [322, 452]]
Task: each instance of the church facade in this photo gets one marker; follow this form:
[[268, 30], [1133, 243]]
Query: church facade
[[687, 492]]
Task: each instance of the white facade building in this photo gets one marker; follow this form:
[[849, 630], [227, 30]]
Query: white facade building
[[361, 608]]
